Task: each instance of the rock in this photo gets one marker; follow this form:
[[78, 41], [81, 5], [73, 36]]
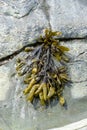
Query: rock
[[78, 61], [15, 33], [79, 90], [21, 22], [17, 8], [77, 67], [78, 71], [69, 17], [78, 50], [20, 114], [4, 82], [13, 106]]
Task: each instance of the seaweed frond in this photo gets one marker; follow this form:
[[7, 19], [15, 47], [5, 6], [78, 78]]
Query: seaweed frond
[[43, 77]]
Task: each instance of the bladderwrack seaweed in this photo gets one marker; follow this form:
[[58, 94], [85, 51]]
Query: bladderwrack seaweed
[[44, 79]]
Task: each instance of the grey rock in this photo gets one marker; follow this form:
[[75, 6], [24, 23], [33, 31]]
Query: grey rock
[[17, 8], [16, 113], [78, 60], [81, 74], [79, 90], [21, 22], [84, 128], [4, 81], [69, 17], [78, 49], [15, 33]]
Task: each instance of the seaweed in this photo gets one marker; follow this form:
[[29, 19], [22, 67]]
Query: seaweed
[[44, 77]]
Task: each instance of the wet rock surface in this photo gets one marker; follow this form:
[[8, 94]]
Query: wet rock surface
[[22, 22]]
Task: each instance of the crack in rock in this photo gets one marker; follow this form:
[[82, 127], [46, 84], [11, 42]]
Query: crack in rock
[[17, 9], [81, 81], [45, 8], [5, 59], [82, 53]]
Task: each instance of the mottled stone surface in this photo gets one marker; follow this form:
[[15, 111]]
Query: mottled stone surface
[[4, 82], [14, 32], [69, 17], [17, 8], [18, 114], [78, 67], [21, 22]]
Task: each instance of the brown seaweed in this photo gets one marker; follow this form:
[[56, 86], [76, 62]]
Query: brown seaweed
[[44, 78]]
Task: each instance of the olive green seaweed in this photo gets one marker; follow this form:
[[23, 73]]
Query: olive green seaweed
[[44, 78]]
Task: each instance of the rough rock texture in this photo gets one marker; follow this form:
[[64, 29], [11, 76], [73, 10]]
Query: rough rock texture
[[21, 21], [17, 8], [69, 17], [14, 32], [24, 20], [19, 114]]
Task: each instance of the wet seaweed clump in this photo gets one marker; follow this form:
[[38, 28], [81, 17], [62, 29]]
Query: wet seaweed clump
[[44, 69]]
